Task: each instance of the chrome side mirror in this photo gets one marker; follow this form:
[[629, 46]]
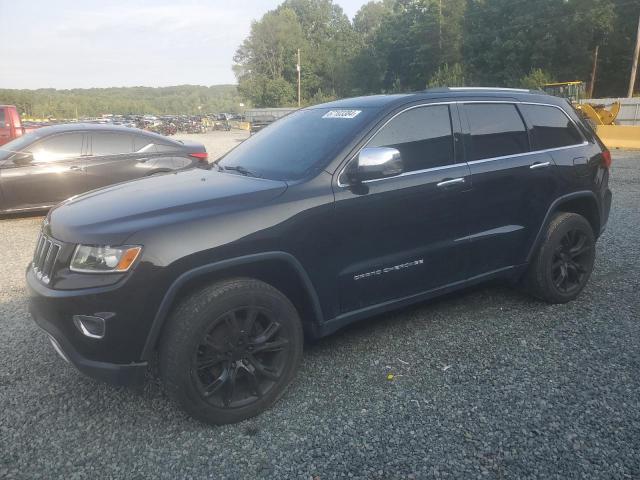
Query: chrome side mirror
[[373, 163]]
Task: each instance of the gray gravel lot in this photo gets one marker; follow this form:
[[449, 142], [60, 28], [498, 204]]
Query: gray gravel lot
[[488, 384]]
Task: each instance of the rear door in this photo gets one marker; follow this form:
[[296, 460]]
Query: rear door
[[577, 161], [513, 186], [110, 159], [404, 235], [55, 174]]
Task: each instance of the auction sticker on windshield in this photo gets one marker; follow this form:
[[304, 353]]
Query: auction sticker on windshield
[[341, 114]]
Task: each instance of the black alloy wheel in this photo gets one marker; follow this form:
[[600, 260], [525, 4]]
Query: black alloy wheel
[[562, 265], [241, 357], [229, 350], [571, 262]]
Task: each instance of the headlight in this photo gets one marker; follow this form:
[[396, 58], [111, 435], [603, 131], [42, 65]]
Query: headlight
[[103, 259]]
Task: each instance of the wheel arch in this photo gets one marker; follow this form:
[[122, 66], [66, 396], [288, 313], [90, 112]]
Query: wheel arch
[[583, 203], [281, 270]]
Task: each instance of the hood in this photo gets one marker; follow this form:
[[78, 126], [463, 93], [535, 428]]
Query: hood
[[110, 215]]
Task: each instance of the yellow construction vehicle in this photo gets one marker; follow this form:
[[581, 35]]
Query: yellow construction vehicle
[[573, 91], [598, 114], [602, 118]]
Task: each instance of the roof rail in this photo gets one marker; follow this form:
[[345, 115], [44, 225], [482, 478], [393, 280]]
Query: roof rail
[[491, 88]]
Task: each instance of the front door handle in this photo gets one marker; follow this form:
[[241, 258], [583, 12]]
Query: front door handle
[[539, 165], [75, 167], [450, 182]]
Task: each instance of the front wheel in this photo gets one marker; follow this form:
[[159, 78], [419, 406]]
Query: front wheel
[[564, 261], [230, 350]]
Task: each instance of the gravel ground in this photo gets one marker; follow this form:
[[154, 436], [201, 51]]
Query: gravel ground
[[488, 384]]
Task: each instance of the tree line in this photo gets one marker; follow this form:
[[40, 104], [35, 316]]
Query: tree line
[[405, 45], [92, 102]]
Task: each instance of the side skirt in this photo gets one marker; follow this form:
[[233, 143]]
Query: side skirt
[[510, 273]]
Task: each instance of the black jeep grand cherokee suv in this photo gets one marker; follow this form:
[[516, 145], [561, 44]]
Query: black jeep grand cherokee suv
[[330, 215]]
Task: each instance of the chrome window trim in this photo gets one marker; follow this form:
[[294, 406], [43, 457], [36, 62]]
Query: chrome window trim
[[407, 174], [472, 162]]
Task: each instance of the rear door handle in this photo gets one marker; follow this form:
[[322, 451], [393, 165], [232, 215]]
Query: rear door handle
[[450, 182], [75, 167], [539, 165], [580, 161]]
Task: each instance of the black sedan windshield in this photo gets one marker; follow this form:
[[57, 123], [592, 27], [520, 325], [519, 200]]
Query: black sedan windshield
[[296, 144]]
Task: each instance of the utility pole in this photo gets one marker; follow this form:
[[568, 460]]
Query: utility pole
[[593, 71], [634, 65], [298, 69], [440, 29]]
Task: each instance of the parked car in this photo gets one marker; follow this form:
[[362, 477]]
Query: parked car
[[48, 165], [10, 125], [331, 215]]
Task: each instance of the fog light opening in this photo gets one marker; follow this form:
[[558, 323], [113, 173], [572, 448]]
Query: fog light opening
[[90, 326]]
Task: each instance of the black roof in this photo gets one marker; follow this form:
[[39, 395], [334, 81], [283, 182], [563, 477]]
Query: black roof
[[479, 93], [100, 127]]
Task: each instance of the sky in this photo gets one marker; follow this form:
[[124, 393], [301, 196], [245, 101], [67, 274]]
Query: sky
[[113, 43]]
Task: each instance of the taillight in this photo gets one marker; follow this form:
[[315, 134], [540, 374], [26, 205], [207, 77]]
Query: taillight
[[200, 155], [606, 158]]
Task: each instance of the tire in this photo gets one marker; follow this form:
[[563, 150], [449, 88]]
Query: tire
[[564, 261], [229, 351]]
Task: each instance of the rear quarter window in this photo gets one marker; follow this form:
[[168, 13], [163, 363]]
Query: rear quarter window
[[496, 130], [164, 147], [550, 127], [142, 144]]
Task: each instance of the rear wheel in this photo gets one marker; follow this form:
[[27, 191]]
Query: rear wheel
[[230, 350], [564, 261]]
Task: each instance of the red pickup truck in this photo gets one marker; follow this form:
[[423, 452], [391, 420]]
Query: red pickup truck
[[10, 125]]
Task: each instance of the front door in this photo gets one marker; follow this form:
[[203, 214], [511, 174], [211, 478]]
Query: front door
[[403, 235], [55, 173]]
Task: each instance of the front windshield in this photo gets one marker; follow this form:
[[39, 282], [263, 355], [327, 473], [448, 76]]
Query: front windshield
[[17, 145], [297, 144]]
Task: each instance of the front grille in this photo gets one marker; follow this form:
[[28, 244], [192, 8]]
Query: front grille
[[44, 258]]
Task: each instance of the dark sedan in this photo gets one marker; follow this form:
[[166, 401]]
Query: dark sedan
[[51, 164]]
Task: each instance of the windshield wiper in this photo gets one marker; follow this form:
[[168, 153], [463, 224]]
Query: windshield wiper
[[240, 169]]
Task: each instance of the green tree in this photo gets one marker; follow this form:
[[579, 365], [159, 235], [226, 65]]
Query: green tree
[[536, 79], [447, 76]]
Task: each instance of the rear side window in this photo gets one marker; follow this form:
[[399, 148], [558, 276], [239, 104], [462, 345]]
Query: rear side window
[[496, 130], [56, 148], [111, 144], [550, 127], [2, 118], [422, 135]]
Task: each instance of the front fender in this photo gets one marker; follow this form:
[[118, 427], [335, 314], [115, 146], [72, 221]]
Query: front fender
[[170, 295]]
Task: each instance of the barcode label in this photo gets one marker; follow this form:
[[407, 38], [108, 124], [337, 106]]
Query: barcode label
[[341, 114]]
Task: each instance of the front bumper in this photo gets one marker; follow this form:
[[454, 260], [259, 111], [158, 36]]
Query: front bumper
[[112, 359]]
